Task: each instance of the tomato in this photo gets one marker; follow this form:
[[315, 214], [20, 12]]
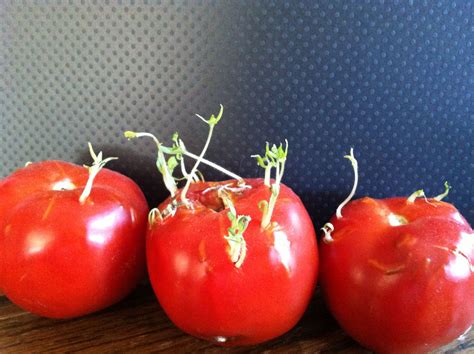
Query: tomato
[[397, 273], [206, 292], [60, 257]]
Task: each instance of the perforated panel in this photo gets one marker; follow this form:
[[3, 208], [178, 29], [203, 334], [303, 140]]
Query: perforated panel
[[391, 79]]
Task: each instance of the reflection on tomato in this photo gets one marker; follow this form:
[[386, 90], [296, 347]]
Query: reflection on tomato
[[202, 289], [61, 258]]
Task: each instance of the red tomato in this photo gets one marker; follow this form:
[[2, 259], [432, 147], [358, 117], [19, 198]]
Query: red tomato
[[60, 258], [201, 289], [398, 275]]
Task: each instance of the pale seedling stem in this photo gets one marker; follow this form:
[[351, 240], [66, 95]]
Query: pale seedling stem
[[189, 177], [213, 165], [97, 165], [417, 194], [328, 228], [354, 186], [275, 157], [443, 195], [268, 171]]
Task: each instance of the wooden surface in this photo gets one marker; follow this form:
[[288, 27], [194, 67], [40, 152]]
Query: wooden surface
[[138, 324]]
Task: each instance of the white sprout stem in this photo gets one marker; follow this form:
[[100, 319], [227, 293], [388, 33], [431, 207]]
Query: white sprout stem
[[443, 195], [268, 171], [417, 194], [354, 187], [97, 165], [198, 161], [213, 165], [328, 228], [88, 188], [275, 189], [267, 215]]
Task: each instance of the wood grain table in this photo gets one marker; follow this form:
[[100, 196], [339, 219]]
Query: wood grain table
[[138, 325]]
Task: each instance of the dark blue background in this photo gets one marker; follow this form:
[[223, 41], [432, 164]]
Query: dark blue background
[[393, 79]]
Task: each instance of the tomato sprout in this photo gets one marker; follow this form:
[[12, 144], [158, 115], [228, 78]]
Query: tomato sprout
[[153, 215], [275, 157], [177, 152], [94, 169], [417, 194], [443, 195], [165, 167], [212, 122], [420, 193], [235, 238], [328, 228], [355, 167]]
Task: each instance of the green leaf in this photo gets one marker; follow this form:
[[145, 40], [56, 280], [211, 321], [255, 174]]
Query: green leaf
[[172, 163]]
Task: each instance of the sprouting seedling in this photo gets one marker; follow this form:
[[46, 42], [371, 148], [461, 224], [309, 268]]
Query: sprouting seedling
[[211, 122], [235, 237], [165, 167], [355, 167], [443, 195], [275, 157], [97, 164], [328, 228], [420, 193], [177, 152]]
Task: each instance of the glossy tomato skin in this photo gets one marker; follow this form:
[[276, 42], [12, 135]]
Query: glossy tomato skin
[[60, 258], [206, 295], [400, 285]]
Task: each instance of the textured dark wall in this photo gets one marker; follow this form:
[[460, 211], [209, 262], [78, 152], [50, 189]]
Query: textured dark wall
[[393, 79]]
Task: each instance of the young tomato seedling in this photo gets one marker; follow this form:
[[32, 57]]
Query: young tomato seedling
[[397, 273], [72, 238], [233, 262]]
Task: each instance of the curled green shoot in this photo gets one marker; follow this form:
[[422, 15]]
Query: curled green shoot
[[275, 157], [97, 164], [235, 237], [355, 167]]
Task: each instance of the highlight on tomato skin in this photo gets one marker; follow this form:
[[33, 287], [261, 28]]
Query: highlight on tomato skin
[[232, 262], [66, 249], [397, 273]]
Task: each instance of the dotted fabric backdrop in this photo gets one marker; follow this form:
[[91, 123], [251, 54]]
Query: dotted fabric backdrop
[[393, 79]]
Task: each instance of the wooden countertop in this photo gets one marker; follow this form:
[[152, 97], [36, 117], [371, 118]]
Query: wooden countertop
[[138, 324]]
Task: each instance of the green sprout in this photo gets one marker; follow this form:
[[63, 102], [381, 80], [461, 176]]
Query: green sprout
[[176, 152], [275, 157], [235, 237]]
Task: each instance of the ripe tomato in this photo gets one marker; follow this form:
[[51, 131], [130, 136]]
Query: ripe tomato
[[61, 258], [397, 273], [205, 292]]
